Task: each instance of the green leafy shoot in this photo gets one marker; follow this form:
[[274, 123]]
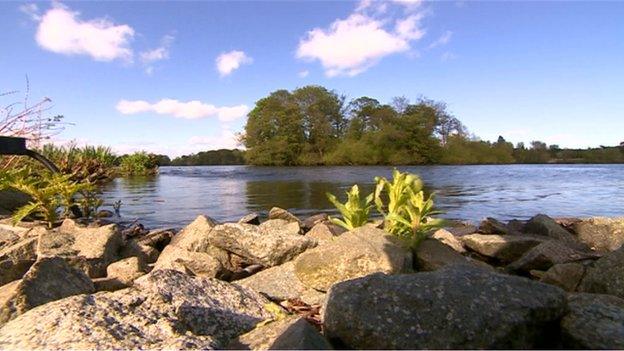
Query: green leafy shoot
[[407, 213], [355, 211], [49, 193]]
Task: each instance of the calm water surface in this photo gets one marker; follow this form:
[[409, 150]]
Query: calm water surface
[[179, 194]]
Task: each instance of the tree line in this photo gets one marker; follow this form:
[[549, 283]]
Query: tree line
[[316, 126]]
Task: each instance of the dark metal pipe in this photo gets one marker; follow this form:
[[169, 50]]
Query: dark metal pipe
[[17, 146]]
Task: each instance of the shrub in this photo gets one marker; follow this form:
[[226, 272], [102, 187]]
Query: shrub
[[138, 163], [88, 163]]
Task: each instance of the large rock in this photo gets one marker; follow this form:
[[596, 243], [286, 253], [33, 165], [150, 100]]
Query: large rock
[[325, 232], [195, 263], [594, 322], [547, 254], [16, 259], [280, 227], [89, 249], [10, 235], [546, 226], [357, 253], [505, 248], [260, 247], [290, 333], [126, 270], [567, 276], [165, 310], [493, 226], [432, 254], [606, 276], [313, 220], [49, 279], [281, 283], [458, 307], [251, 218], [156, 239], [195, 236], [280, 213], [449, 239], [600, 233]]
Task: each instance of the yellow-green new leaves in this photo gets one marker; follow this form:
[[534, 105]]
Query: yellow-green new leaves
[[406, 212], [355, 211]]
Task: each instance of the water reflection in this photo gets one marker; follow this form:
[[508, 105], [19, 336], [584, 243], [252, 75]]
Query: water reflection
[[179, 194]]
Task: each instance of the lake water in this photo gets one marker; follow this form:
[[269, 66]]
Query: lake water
[[178, 194]]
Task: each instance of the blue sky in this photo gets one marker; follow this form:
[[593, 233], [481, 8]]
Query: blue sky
[[179, 77]]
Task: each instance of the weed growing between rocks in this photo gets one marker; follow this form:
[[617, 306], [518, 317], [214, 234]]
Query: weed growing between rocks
[[407, 212]]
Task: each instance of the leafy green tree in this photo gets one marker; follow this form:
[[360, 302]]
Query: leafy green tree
[[274, 133]]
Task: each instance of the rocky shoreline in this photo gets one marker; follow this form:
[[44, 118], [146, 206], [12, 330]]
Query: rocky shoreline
[[288, 283]]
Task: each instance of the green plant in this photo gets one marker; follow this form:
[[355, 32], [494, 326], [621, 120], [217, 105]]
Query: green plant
[[407, 213], [49, 193], [355, 211], [88, 163], [89, 201], [138, 163]]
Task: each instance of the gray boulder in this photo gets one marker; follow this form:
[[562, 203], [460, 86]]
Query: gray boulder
[[547, 254], [431, 255], [290, 333], [606, 275], [126, 270], [196, 235], [567, 276], [164, 310], [493, 226], [267, 248], [88, 249], [281, 283], [195, 263], [546, 226], [49, 279], [325, 232], [356, 253], [600, 233], [449, 239], [10, 235], [280, 227], [458, 307], [594, 322], [16, 259], [280, 213], [251, 218], [313, 220], [505, 248]]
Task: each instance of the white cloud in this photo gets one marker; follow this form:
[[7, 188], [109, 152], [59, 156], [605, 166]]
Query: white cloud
[[352, 45], [304, 73], [32, 10], [187, 110], [228, 62], [226, 139], [62, 31], [442, 40], [159, 53], [409, 27]]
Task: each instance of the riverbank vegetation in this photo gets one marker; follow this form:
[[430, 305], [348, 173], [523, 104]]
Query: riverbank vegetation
[[212, 157], [316, 126], [407, 212]]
